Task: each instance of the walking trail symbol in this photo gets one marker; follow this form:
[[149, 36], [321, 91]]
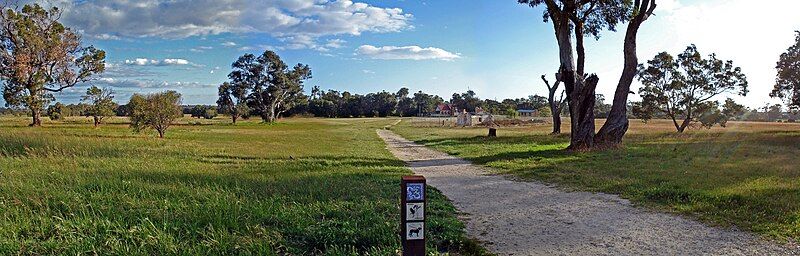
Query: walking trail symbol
[[531, 218]]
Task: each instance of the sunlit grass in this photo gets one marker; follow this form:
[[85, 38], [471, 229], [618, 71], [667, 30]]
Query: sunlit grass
[[746, 175], [303, 186]]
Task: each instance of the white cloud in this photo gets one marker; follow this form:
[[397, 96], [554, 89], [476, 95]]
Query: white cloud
[[367, 71], [280, 18], [146, 84], [229, 44], [406, 53], [154, 62], [105, 37], [335, 43]]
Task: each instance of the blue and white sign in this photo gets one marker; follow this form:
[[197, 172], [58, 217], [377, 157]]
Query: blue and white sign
[[415, 191]]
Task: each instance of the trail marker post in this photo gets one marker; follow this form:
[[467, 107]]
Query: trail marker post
[[413, 200]]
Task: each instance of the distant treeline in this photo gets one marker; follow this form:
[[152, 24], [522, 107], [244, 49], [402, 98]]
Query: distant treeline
[[336, 104]]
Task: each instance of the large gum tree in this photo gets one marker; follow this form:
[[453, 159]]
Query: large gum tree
[[580, 19], [39, 56]]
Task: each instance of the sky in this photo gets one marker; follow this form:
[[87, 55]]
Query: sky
[[497, 48]]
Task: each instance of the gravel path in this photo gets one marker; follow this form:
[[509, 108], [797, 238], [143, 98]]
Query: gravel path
[[531, 218]]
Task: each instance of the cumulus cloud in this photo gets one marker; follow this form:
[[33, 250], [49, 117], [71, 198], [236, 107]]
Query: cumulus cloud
[[406, 53], [154, 62], [296, 20]]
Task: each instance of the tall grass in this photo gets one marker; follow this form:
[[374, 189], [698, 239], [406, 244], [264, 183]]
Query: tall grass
[[304, 186]]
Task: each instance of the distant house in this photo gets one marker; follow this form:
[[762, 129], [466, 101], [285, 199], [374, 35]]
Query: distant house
[[527, 113], [444, 110]]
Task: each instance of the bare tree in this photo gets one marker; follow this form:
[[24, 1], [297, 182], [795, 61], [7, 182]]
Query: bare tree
[[555, 105]]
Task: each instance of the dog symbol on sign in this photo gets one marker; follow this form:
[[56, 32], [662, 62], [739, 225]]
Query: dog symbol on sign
[[415, 231]]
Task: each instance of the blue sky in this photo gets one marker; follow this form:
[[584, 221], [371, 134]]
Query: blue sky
[[497, 48]]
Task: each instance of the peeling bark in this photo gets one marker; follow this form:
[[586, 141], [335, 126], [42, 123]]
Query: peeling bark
[[582, 113]]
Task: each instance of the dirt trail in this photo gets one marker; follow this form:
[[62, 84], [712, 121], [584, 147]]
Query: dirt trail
[[530, 218]]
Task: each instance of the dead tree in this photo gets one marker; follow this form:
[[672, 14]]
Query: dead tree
[[555, 105]]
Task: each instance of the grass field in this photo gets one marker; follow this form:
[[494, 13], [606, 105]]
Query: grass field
[[300, 187], [747, 175]]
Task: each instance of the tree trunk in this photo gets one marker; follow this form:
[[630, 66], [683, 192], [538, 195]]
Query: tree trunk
[[37, 118], [582, 114], [554, 106], [234, 117], [685, 124], [617, 123], [556, 120], [160, 133], [580, 49], [96, 121]]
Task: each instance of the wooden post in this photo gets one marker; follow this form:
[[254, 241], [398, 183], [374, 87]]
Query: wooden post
[[492, 132], [413, 201]]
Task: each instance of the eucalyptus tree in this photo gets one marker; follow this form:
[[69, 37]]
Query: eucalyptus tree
[[101, 104], [157, 111], [683, 87], [232, 101], [39, 56], [616, 125], [787, 83], [588, 18], [273, 87]]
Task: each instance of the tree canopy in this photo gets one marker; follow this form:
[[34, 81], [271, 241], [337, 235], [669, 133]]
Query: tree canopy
[[272, 87], [787, 82], [683, 88], [39, 56], [101, 103], [156, 111]]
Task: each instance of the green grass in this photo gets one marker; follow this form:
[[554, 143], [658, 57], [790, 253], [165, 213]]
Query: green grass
[[300, 187], [747, 175]]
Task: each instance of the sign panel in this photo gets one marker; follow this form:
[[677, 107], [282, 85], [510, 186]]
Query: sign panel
[[412, 214], [415, 231], [415, 211], [415, 191]]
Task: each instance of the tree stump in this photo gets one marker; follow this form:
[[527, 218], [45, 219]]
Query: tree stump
[[492, 132]]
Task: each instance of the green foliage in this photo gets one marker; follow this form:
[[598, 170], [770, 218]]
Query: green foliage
[[545, 112], [787, 83], [682, 88], [466, 101], [55, 111], [202, 111], [271, 87], [233, 101], [426, 103], [39, 56], [156, 111], [101, 103], [213, 190], [595, 15]]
